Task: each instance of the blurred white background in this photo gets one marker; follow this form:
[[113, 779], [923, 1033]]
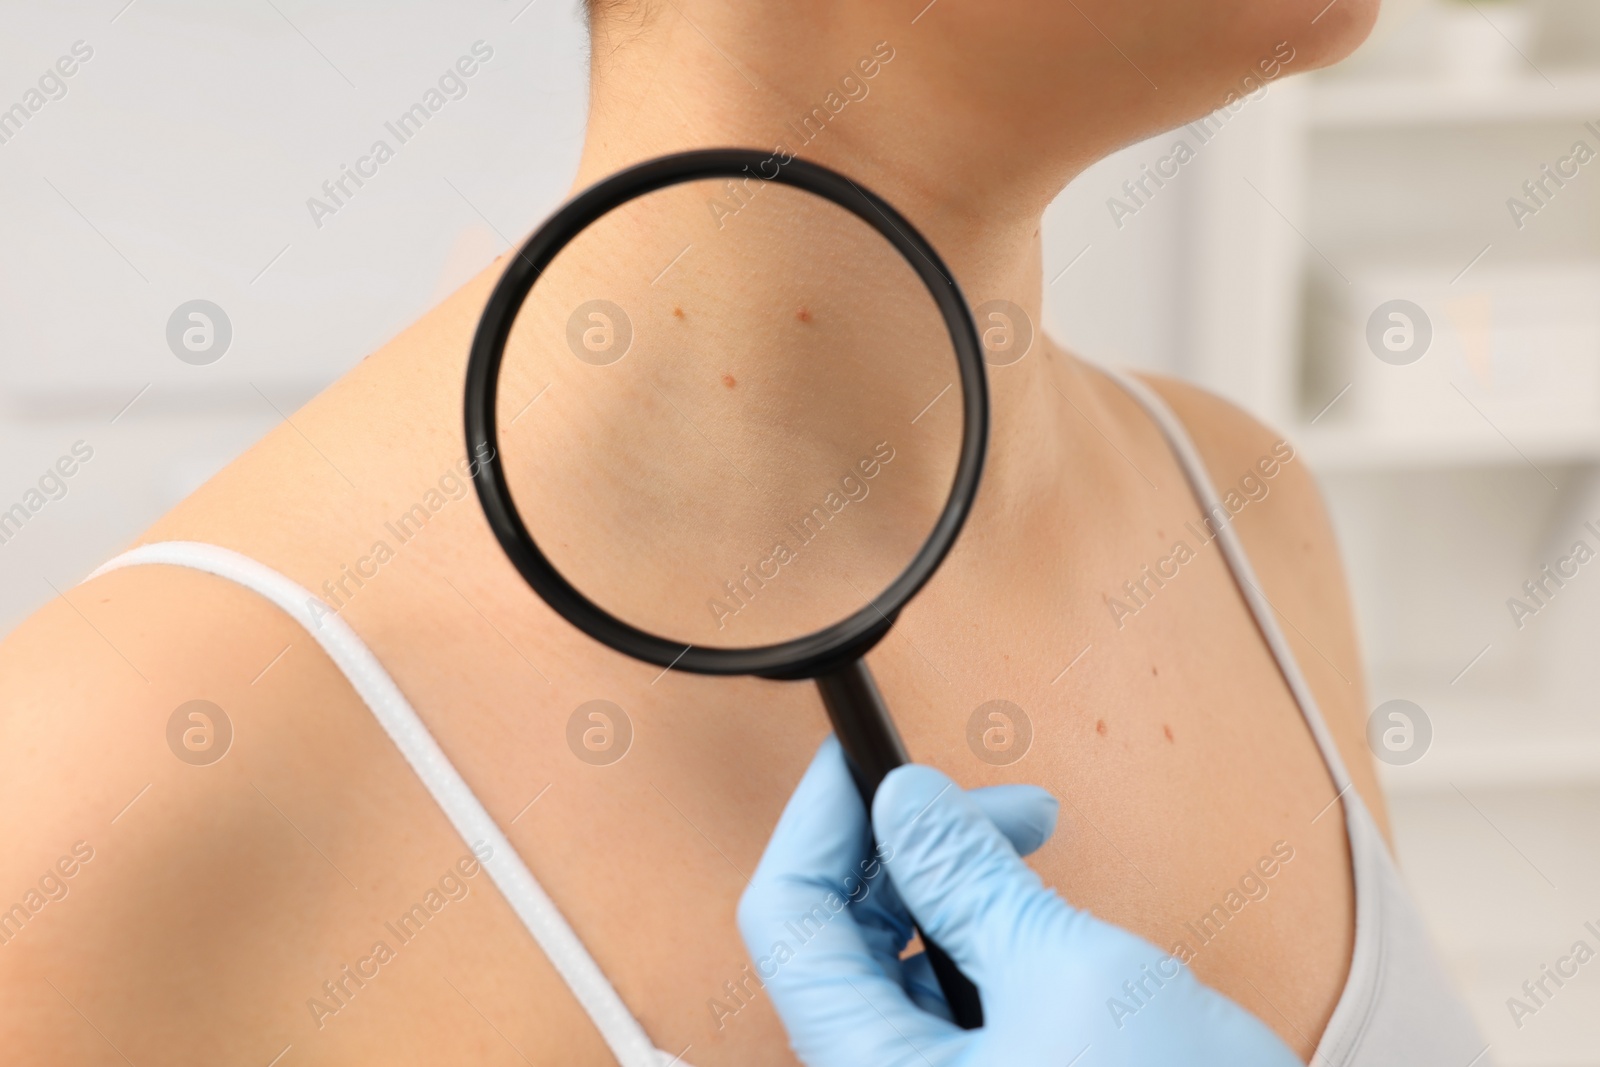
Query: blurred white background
[[177, 162]]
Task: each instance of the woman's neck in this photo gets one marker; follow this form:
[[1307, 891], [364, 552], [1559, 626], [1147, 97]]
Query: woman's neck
[[863, 96]]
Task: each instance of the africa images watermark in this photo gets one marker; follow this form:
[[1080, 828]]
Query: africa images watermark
[[1252, 888], [1252, 487], [741, 591], [50, 87], [53, 886], [50, 486], [1541, 589], [339, 190], [851, 88], [1536, 992], [1142, 189], [1542, 188], [802, 928], [999, 732], [453, 485], [452, 886]]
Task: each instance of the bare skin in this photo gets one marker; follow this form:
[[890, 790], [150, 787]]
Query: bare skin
[[220, 901]]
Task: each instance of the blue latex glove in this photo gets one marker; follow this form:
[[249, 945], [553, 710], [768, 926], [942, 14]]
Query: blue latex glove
[[1059, 987]]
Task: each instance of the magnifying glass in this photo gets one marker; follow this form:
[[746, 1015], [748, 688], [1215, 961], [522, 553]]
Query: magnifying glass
[[739, 388]]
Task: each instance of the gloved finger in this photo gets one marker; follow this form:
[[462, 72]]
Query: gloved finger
[[837, 1003], [838, 997], [1025, 814], [822, 845], [959, 875], [822, 836], [818, 861], [922, 986]]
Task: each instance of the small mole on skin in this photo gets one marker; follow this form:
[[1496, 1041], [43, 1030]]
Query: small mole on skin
[[1100, 727], [1152, 672], [729, 381], [1160, 536], [677, 313], [1167, 730], [804, 315]]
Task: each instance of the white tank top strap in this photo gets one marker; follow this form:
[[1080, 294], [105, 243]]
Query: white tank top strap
[[1244, 575], [1398, 1005], [621, 1031]]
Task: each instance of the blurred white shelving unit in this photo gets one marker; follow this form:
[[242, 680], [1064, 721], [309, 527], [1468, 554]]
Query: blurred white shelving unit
[[220, 130], [1442, 519], [1342, 449], [1392, 103]]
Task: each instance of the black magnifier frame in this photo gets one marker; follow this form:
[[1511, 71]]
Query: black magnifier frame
[[831, 656]]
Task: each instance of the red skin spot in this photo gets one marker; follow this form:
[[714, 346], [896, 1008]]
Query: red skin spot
[[729, 381], [804, 315], [1100, 727], [677, 313], [1167, 730]]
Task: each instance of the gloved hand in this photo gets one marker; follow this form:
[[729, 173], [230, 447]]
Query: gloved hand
[[1060, 988]]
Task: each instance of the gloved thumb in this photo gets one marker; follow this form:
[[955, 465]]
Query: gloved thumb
[[956, 872], [1025, 814]]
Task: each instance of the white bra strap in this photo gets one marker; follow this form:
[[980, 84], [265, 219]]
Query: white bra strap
[[400, 721], [1244, 576]]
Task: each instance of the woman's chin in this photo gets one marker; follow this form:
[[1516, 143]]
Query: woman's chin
[[1338, 31]]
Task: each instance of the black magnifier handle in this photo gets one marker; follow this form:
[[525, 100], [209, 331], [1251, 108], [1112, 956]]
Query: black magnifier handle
[[873, 748]]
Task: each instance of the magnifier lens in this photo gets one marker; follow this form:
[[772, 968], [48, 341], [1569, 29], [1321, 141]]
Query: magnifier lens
[[729, 413]]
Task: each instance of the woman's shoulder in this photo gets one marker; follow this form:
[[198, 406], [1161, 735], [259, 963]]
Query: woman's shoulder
[[90, 682], [1229, 437], [1273, 497], [169, 737], [126, 694], [1278, 509], [193, 798]]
